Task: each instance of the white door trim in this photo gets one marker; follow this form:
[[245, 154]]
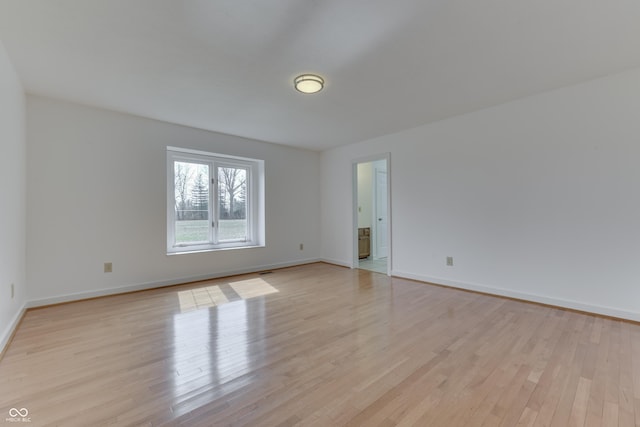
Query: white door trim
[[354, 208]]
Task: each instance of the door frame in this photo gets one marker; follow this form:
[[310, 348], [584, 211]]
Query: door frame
[[354, 208]]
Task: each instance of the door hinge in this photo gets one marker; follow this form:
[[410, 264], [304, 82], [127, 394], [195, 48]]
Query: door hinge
[[213, 223]]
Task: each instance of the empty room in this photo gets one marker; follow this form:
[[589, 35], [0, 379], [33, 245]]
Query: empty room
[[319, 213]]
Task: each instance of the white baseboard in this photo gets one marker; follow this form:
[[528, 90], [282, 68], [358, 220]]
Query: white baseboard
[[558, 302], [11, 327], [159, 284], [335, 262]]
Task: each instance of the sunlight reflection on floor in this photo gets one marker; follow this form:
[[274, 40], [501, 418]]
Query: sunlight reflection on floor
[[211, 296]]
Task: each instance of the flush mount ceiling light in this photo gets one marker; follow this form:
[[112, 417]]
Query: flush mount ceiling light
[[308, 83]]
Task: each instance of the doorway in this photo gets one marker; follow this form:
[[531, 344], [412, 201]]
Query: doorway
[[371, 219]]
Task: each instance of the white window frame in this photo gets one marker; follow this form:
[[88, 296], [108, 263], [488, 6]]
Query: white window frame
[[254, 200]]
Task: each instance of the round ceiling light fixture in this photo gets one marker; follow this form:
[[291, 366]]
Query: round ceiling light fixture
[[308, 83]]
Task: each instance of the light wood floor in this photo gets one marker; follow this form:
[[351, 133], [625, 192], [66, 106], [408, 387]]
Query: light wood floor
[[320, 345]]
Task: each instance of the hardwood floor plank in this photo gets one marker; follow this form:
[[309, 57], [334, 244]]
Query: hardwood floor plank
[[579, 409], [527, 418], [320, 345]]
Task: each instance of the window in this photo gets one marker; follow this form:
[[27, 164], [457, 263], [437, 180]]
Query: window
[[213, 201]]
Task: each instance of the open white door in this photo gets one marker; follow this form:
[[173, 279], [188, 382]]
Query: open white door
[[380, 213]]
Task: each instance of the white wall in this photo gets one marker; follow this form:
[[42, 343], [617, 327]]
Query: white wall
[[12, 198], [97, 193], [537, 199]]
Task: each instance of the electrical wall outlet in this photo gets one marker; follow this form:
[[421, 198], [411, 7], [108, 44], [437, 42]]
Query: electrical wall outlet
[[108, 267], [450, 261], [301, 246], [12, 291]]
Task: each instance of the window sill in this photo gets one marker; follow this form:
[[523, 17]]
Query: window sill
[[198, 251]]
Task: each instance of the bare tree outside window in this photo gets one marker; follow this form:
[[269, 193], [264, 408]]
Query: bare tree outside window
[[232, 189], [191, 202], [183, 173]]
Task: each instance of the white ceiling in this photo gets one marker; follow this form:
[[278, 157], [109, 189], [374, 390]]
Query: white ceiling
[[228, 65]]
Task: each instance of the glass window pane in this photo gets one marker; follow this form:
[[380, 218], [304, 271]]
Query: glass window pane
[[232, 200], [191, 202]]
